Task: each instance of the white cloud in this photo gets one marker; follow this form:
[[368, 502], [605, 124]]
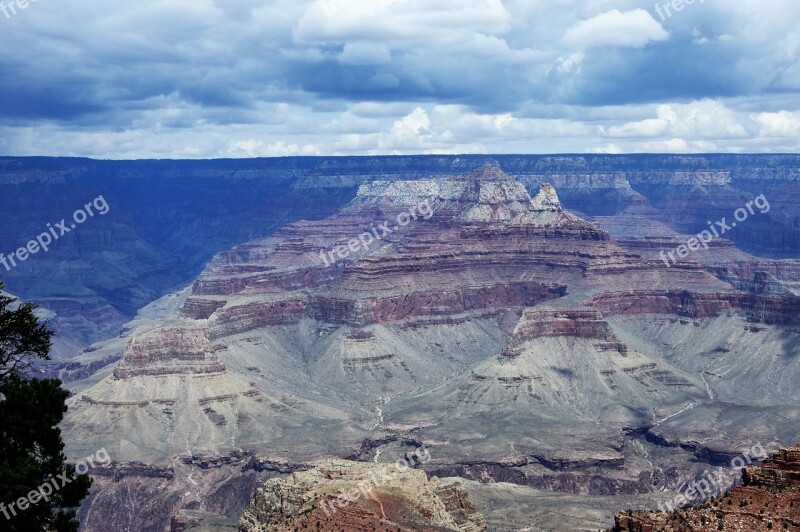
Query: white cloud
[[666, 146], [570, 64], [331, 21], [611, 148], [703, 119], [259, 148], [635, 28], [413, 125], [456, 129], [781, 124]]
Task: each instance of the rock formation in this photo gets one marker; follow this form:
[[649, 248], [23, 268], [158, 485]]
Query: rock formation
[[168, 352], [341, 495], [519, 340], [96, 279], [769, 499]]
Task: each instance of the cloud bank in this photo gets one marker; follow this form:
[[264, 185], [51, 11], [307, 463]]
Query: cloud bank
[[215, 78]]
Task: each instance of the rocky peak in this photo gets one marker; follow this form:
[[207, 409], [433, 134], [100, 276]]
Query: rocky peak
[[406, 192], [490, 172], [547, 199], [484, 195], [343, 495], [509, 202]]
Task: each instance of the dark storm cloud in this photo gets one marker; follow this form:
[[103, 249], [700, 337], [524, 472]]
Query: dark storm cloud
[[662, 72]]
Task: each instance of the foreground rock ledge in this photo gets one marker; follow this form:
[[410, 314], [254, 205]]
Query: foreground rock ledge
[[357, 496], [768, 500]]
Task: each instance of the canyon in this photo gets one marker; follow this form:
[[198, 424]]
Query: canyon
[[168, 218], [526, 333]]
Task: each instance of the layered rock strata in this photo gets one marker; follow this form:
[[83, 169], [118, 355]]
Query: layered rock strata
[[760, 308], [168, 352], [491, 324]]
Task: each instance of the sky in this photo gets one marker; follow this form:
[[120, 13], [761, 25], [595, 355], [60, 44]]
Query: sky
[[245, 78]]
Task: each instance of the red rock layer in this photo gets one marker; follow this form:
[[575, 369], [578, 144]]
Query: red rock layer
[[769, 309], [431, 303], [201, 309], [247, 317], [577, 323], [573, 322]]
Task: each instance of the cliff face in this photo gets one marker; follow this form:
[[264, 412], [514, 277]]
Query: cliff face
[[769, 499], [770, 309], [486, 245], [779, 473]]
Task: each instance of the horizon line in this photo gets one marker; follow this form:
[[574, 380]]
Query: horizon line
[[415, 155]]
